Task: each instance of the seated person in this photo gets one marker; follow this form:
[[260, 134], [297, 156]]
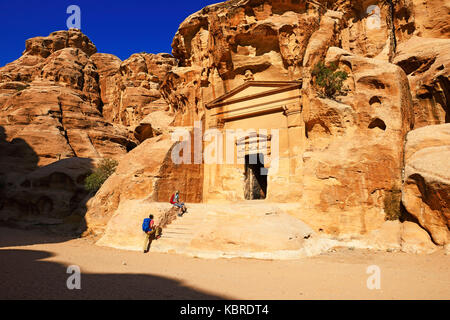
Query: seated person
[[175, 201]]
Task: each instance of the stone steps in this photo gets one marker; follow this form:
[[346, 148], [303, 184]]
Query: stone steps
[[177, 236]]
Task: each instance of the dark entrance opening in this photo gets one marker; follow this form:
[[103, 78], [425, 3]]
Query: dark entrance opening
[[255, 177]]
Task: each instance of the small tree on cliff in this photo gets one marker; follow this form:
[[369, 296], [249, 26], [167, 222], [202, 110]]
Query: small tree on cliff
[[329, 80], [105, 169]]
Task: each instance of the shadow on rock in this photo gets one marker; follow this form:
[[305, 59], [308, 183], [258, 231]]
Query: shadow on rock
[[52, 197]]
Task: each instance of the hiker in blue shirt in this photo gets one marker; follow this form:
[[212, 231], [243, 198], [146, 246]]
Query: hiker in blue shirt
[[151, 231]]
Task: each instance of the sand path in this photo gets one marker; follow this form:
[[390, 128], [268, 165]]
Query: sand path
[[33, 265]]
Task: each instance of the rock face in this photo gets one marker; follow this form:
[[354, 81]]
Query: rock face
[[222, 231], [427, 180], [427, 64], [146, 173], [351, 154], [56, 120], [50, 98], [224, 44], [45, 46], [130, 89], [62, 100], [356, 141], [407, 237], [55, 191], [353, 151]]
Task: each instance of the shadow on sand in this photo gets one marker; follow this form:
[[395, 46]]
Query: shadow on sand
[[24, 274]]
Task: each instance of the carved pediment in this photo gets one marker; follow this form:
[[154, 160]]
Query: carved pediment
[[254, 90]]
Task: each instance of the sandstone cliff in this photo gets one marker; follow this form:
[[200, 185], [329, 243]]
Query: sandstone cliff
[[58, 102], [353, 170], [352, 162]]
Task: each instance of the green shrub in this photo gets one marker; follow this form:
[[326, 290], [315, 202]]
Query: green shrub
[[392, 205], [105, 169], [328, 79]]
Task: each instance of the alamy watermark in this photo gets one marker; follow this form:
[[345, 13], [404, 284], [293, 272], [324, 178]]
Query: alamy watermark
[[250, 146], [374, 17], [74, 280], [374, 280], [74, 20]]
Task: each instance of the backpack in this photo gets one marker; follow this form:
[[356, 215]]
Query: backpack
[[146, 225]]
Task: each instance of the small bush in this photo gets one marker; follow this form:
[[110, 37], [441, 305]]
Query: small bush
[[392, 205], [328, 79], [105, 169]]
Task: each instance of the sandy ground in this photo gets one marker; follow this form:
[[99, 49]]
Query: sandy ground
[[33, 265]]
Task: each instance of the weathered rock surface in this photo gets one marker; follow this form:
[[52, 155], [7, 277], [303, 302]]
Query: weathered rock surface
[[427, 64], [50, 118], [223, 44], [52, 101], [45, 46], [248, 230], [353, 155], [147, 172], [63, 100], [425, 192], [416, 240], [407, 237], [52, 192], [130, 89], [238, 230]]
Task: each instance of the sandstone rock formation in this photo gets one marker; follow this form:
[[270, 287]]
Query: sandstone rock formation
[[54, 106], [130, 89], [407, 237], [345, 175], [353, 155], [50, 98], [218, 45], [55, 191], [427, 180], [350, 167], [146, 173], [427, 64], [222, 231]]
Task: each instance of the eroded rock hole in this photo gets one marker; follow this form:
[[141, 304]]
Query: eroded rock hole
[[377, 123], [374, 100]]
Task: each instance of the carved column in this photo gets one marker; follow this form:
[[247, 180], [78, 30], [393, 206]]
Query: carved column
[[295, 125]]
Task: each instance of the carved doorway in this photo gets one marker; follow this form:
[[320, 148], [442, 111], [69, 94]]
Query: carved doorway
[[255, 177]]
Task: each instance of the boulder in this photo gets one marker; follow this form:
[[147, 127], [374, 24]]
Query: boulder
[[427, 65], [416, 240], [425, 192], [124, 229]]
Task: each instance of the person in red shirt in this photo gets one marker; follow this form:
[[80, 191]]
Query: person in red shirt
[[175, 201]]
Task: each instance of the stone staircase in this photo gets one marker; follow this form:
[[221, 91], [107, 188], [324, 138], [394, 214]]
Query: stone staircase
[[177, 236]]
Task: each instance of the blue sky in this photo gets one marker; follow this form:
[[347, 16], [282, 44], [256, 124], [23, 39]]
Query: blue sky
[[117, 27]]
